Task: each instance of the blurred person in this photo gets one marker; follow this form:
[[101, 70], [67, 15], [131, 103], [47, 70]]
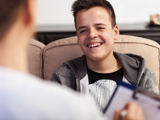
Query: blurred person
[[23, 96], [97, 72]]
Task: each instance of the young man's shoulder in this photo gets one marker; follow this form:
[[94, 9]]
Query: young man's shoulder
[[128, 56], [64, 70], [148, 81], [73, 67], [143, 76]]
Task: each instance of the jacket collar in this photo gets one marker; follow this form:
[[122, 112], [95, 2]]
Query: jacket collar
[[133, 66]]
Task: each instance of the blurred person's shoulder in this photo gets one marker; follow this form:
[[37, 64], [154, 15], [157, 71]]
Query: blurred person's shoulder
[[29, 97]]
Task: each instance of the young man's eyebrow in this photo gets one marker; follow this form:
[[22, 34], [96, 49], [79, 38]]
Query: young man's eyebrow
[[101, 24], [81, 27], [95, 24]]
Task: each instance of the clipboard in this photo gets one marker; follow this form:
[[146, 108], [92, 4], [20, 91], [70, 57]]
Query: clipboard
[[124, 93]]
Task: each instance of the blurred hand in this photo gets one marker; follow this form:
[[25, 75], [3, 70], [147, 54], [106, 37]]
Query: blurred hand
[[134, 112]]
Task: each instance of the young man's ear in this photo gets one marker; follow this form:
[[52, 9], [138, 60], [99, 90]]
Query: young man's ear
[[116, 32]]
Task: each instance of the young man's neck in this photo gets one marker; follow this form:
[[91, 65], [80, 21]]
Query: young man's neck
[[108, 65]]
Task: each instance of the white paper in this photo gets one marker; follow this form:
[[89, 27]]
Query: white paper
[[124, 95]]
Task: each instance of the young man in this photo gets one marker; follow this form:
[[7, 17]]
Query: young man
[[97, 72]]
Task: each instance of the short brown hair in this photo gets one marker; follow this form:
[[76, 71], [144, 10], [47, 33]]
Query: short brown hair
[[87, 4], [9, 10]]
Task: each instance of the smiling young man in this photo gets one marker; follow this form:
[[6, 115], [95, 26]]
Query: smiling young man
[[97, 72]]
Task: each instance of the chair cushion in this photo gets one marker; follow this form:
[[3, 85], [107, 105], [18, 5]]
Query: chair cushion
[[35, 51]]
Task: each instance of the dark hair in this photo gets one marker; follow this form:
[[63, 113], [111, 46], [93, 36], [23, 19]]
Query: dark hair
[[87, 4], [9, 10]]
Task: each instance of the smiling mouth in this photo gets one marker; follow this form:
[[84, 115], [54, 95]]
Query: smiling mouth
[[94, 45]]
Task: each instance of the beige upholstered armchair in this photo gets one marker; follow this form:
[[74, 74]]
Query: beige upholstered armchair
[[43, 60]]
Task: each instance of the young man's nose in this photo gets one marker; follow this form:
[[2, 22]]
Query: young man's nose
[[92, 34]]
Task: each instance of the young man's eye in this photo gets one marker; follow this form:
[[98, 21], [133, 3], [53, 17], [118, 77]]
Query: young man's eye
[[82, 31], [100, 28]]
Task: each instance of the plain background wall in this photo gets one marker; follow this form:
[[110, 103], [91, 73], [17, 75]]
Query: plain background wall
[[127, 11]]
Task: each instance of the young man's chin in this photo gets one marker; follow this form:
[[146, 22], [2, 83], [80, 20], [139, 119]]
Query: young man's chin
[[95, 58]]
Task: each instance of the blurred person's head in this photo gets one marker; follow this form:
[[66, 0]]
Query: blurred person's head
[[11, 10], [17, 26], [87, 4]]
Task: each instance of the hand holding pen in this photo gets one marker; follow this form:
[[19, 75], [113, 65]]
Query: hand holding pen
[[131, 112]]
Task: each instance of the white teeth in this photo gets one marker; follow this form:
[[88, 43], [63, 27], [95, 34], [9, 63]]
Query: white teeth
[[94, 45]]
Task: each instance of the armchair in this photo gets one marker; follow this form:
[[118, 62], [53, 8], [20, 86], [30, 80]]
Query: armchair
[[43, 60]]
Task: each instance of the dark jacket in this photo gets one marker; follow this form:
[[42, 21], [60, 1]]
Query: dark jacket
[[134, 66]]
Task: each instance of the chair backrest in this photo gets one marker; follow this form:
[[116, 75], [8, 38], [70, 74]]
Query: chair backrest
[[55, 53], [149, 49], [35, 62]]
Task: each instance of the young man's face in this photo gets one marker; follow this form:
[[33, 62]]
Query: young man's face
[[95, 33]]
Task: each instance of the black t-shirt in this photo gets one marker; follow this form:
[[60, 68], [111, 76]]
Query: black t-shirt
[[115, 76]]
